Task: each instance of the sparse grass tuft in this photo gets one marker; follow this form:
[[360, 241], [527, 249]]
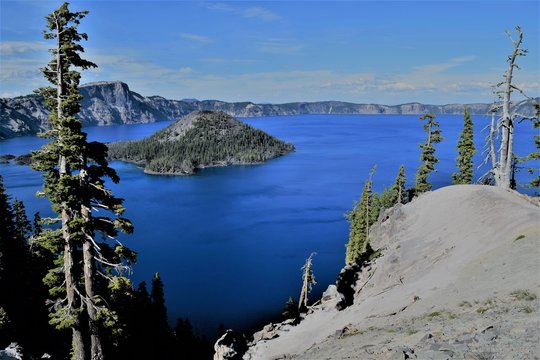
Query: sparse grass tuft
[[434, 314], [481, 310], [465, 304], [523, 295], [411, 331], [521, 236], [528, 310], [375, 255]]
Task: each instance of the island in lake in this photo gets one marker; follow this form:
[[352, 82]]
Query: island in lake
[[201, 139]]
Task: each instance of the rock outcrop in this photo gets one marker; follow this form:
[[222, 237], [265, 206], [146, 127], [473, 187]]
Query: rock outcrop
[[457, 279], [13, 352], [107, 103], [230, 346]]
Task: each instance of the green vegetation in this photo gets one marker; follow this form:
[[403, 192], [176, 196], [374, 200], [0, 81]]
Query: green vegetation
[[202, 139], [466, 150], [361, 217], [290, 310], [139, 328], [534, 156], [75, 171], [396, 194], [70, 271], [431, 127], [523, 295]]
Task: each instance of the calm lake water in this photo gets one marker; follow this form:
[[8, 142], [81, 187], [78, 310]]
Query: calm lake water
[[229, 242]]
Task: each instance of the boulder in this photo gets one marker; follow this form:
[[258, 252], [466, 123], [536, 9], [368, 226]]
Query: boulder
[[231, 346], [13, 352], [332, 299]]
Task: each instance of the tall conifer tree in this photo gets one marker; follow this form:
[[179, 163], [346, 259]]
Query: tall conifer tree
[[399, 192], [75, 171], [466, 150], [428, 158], [361, 217]]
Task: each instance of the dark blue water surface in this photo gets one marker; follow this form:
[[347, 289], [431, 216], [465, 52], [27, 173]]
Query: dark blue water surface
[[229, 242]]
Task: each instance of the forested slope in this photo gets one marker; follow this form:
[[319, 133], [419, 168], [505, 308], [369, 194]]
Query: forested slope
[[201, 139]]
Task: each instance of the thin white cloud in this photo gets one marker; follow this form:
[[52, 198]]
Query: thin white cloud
[[441, 67], [196, 38], [251, 12], [260, 13], [221, 60], [429, 83], [10, 94], [8, 48], [279, 47]]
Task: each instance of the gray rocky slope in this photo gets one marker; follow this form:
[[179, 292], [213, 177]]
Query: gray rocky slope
[[458, 278], [107, 103]]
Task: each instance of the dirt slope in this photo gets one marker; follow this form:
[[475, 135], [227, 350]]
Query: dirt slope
[[459, 278]]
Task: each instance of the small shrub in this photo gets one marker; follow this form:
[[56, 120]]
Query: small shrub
[[374, 255], [528, 310], [523, 295]]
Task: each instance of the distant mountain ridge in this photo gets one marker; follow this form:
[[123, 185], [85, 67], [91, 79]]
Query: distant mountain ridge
[[107, 103]]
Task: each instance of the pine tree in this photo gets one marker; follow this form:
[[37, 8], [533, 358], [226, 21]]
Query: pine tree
[[399, 186], [22, 298], [535, 155], [290, 310], [7, 234], [23, 228], [361, 217], [162, 335], [158, 300], [74, 172], [466, 150], [37, 225], [428, 159]]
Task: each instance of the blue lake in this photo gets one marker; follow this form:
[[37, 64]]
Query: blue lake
[[229, 242]]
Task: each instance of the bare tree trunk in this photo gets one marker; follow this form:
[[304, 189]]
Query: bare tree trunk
[[492, 153], [78, 342], [507, 137], [96, 350], [308, 280]]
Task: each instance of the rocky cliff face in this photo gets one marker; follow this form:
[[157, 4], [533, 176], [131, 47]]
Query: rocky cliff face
[[106, 103]]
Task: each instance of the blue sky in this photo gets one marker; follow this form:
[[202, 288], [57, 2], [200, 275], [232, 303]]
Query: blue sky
[[386, 52]]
